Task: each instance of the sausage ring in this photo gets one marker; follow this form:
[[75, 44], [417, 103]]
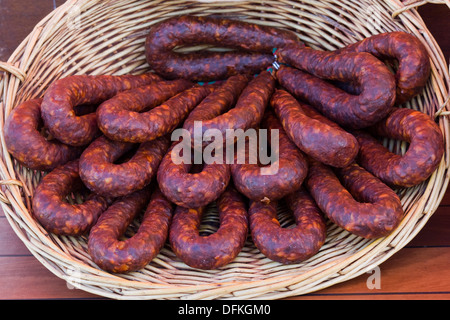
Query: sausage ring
[[314, 134], [123, 117], [191, 189], [120, 256], [102, 174], [424, 153], [414, 65], [306, 81], [254, 44], [288, 245], [247, 112], [27, 145], [354, 199], [214, 250], [213, 106], [59, 216], [64, 94], [284, 176]]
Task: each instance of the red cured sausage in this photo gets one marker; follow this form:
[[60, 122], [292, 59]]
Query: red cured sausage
[[59, 216], [313, 133], [164, 118], [111, 253], [288, 245], [414, 65], [425, 150], [28, 145], [284, 176], [254, 44], [191, 189], [306, 81], [217, 103], [101, 174], [354, 199], [215, 250], [124, 116], [64, 94], [248, 110]]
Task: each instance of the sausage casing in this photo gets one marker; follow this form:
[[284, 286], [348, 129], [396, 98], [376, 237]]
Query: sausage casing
[[285, 175], [129, 115], [313, 133], [288, 245], [219, 248], [63, 95], [27, 145], [424, 153], [113, 254], [102, 175], [252, 46], [306, 81], [59, 216], [354, 199]]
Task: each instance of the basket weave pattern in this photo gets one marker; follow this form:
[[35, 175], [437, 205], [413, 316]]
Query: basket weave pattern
[[107, 37]]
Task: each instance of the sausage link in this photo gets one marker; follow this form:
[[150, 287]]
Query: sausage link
[[191, 189], [414, 65], [254, 44], [215, 250], [306, 81], [59, 216], [123, 117], [220, 101], [102, 175], [28, 145], [248, 110], [285, 174], [64, 94], [111, 253], [424, 153], [313, 133], [354, 199], [288, 245]]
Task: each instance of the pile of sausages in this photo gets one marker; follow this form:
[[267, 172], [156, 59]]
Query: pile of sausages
[[108, 138]]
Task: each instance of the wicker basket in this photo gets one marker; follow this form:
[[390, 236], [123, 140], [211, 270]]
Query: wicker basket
[[107, 37]]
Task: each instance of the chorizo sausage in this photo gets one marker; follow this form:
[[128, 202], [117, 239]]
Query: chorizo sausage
[[57, 107], [26, 143], [254, 44], [102, 174], [59, 216], [288, 245], [424, 153], [111, 253], [414, 65], [217, 103], [191, 189], [313, 133], [247, 112], [354, 199], [306, 80], [122, 117], [166, 117], [219, 248], [285, 174]]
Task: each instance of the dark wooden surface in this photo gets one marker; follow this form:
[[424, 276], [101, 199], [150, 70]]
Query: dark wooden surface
[[419, 271]]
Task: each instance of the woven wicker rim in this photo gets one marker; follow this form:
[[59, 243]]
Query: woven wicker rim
[[106, 37]]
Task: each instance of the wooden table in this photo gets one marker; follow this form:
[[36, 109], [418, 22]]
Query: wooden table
[[419, 271]]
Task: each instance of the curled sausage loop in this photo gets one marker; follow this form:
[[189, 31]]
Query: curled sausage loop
[[114, 254], [26, 143], [354, 199], [217, 249], [288, 245], [56, 214]]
